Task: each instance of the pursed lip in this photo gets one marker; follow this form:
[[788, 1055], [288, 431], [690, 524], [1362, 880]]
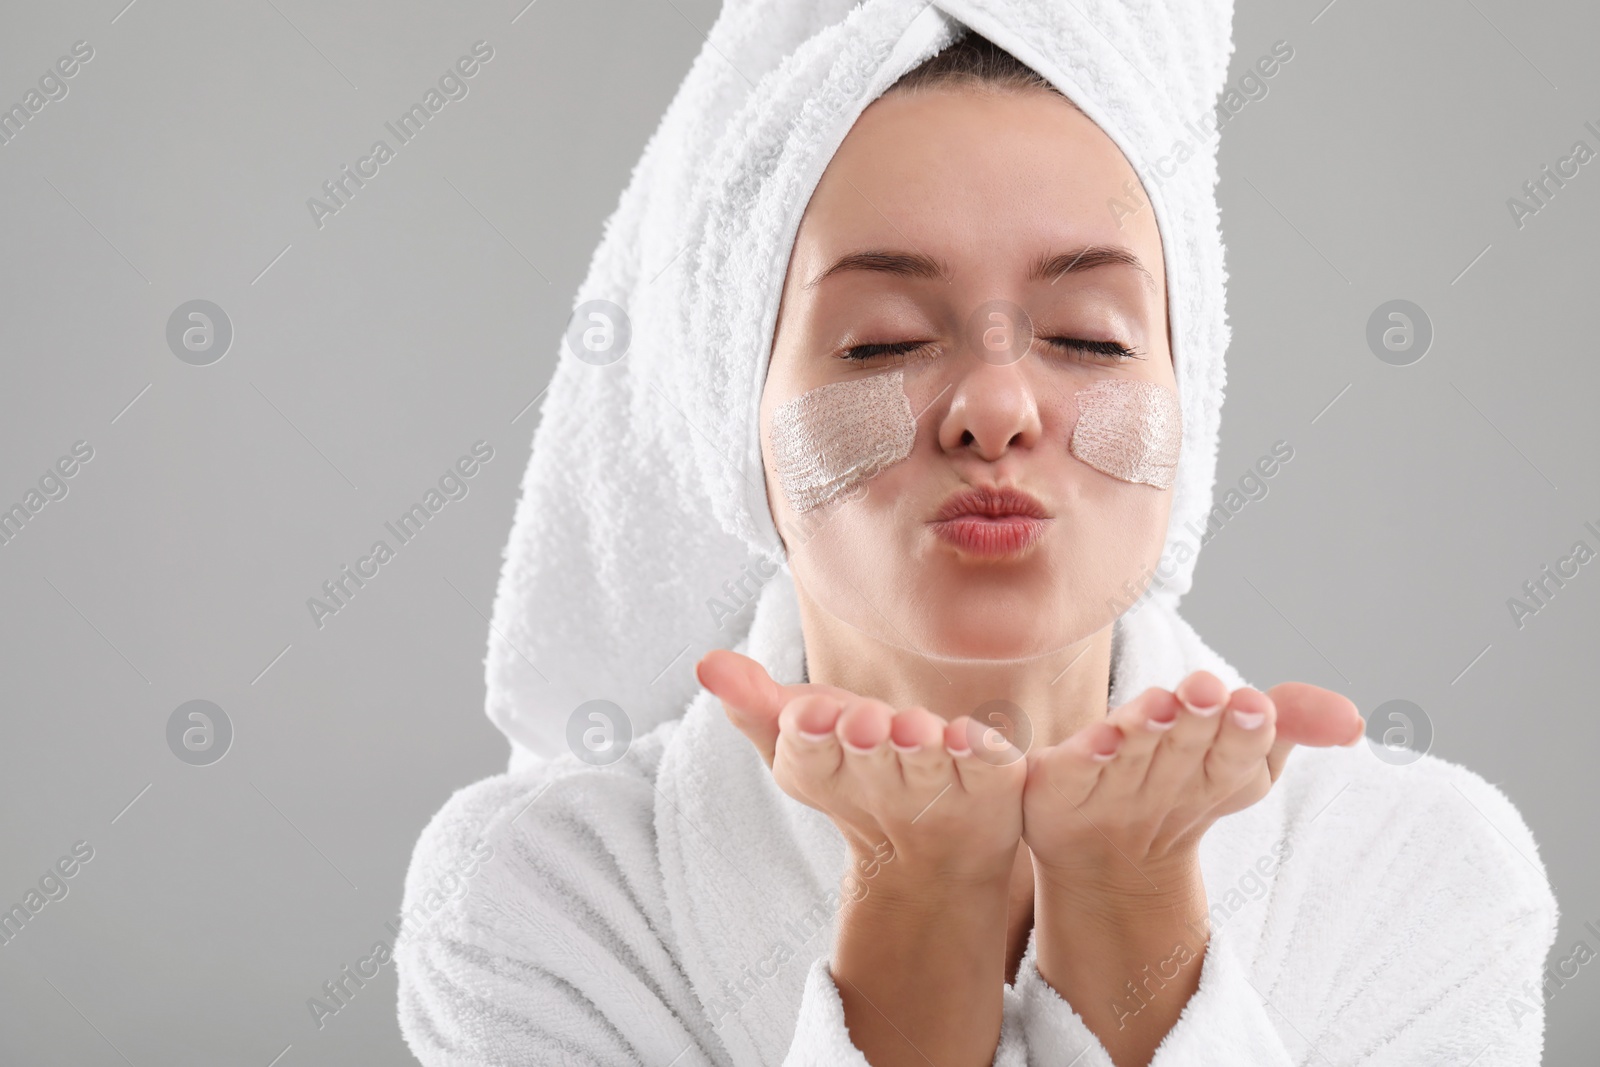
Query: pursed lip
[[991, 521], [992, 502]]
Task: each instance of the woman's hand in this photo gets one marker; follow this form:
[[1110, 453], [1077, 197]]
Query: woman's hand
[[1114, 816], [1124, 799], [919, 955], [951, 810]]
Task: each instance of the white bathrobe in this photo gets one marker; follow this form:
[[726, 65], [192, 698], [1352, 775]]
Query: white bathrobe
[[674, 908]]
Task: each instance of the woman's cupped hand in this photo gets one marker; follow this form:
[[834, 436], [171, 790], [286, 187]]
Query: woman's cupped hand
[[1117, 800], [908, 777], [1125, 800]]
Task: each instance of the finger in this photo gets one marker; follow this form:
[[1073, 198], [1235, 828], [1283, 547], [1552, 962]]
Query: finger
[[1201, 692], [1244, 738], [1309, 715], [1141, 721], [984, 759], [863, 732], [1180, 755], [808, 756], [750, 698], [1278, 755], [917, 734], [1071, 769]]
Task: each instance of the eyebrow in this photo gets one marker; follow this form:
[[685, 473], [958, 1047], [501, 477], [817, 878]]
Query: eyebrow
[[1049, 266]]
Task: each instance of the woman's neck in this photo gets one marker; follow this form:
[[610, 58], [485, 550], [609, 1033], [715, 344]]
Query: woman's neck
[[1059, 692]]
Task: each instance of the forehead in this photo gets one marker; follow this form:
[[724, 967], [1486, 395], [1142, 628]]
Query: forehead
[[984, 181]]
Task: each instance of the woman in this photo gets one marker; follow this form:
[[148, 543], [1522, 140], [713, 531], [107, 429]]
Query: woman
[[973, 792]]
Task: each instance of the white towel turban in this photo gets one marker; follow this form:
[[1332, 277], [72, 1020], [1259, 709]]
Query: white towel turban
[[645, 492]]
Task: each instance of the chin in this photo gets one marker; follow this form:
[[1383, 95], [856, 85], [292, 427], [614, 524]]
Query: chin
[[989, 616]]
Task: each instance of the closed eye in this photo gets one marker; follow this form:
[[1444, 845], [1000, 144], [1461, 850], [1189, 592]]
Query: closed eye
[[1111, 349], [898, 348]]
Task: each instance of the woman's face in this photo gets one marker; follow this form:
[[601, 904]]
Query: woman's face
[[958, 356]]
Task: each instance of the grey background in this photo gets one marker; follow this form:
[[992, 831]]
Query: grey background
[[371, 353]]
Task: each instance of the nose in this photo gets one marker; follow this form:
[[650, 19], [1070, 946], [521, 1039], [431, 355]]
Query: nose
[[993, 409]]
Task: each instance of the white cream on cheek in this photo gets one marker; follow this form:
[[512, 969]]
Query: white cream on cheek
[[1129, 429], [830, 439]]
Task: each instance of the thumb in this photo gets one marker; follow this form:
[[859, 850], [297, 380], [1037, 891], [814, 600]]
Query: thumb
[[1310, 715], [751, 699]]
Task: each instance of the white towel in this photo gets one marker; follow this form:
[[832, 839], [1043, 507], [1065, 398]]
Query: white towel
[[645, 492], [675, 908]]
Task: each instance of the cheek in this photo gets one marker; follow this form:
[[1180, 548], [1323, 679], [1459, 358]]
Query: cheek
[[1130, 430], [827, 441]]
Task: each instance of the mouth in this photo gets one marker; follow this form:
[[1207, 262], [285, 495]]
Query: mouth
[[991, 522]]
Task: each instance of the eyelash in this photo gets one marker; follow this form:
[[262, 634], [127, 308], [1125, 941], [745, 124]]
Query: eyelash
[[1113, 350]]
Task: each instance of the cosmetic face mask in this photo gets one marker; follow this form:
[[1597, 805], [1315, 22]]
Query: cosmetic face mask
[[827, 441], [1130, 430]]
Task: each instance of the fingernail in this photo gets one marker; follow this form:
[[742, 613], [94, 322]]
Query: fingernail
[[851, 746], [967, 751], [1249, 719], [1157, 724], [1202, 712], [817, 715], [898, 747], [1105, 757]]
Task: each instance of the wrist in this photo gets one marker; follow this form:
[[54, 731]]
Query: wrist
[[1122, 889], [920, 959], [909, 877], [1085, 923], [903, 895], [918, 914]]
